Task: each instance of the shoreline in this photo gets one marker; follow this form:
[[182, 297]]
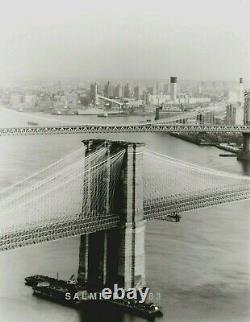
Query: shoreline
[[221, 146]]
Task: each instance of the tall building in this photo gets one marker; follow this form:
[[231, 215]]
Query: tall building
[[72, 99], [147, 98], [137, 92], [157, 88], [157, 99], [234, 114], [151, 90], [206, 118], [165, 89], [127, 91], [93, 93], [118, 91], [173, 88], [241, 91], [247, 108], [108, 90]]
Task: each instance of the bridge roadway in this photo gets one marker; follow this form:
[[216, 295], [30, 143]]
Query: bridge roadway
[[158, 208], [165, 206], [123, 128], [55, 229]]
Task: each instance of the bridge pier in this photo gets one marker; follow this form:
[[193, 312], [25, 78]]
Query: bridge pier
[[117, 255], [245, 153]]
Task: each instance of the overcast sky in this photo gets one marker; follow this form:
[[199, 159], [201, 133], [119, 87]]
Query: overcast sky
[[192, 39]]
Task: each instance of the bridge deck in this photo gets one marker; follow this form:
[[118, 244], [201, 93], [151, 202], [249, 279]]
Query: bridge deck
[[124, 128], [56, 230]]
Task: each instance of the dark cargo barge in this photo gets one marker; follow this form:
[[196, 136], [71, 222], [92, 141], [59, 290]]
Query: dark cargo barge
[[55, 290]]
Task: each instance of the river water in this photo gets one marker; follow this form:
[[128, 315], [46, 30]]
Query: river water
[[200, 266]]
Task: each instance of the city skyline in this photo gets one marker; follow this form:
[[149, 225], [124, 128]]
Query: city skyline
[[142, 40]]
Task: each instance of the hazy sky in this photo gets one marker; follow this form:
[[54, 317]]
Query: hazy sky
[[192, 39]]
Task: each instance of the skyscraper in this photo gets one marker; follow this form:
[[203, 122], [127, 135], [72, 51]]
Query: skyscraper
[[151, 90], [127, 91], [241, 91], [157, 88], [118, 91], [108, 90], [137, 92], [206, 118], [234, 114], [247, 108], [165, 89], [93, 93]]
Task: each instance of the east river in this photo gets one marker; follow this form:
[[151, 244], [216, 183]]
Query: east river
[[200, 266]]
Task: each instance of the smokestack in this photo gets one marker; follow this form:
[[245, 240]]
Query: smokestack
[[241, 91], [173, 88]]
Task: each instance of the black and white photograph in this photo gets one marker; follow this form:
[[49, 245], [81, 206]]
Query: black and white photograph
[[124, 161]]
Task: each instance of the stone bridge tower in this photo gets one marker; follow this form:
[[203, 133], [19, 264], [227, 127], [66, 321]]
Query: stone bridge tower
[[117, 255]]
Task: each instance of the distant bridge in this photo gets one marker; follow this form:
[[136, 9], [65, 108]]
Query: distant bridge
[[124, 128]]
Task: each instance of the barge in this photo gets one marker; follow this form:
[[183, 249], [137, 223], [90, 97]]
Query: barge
[[70, 293], [145, 310]]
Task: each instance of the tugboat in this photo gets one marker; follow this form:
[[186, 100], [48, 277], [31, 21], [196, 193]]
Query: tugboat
[[32, 123], [35, 279], [103, 114], [173, 217]]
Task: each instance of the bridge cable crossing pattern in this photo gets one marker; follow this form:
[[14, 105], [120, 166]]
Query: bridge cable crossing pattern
[[174, 186], [59, 196], [75, 195]]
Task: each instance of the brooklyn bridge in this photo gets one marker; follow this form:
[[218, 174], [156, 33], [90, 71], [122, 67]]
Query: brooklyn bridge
[[105, 192]]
